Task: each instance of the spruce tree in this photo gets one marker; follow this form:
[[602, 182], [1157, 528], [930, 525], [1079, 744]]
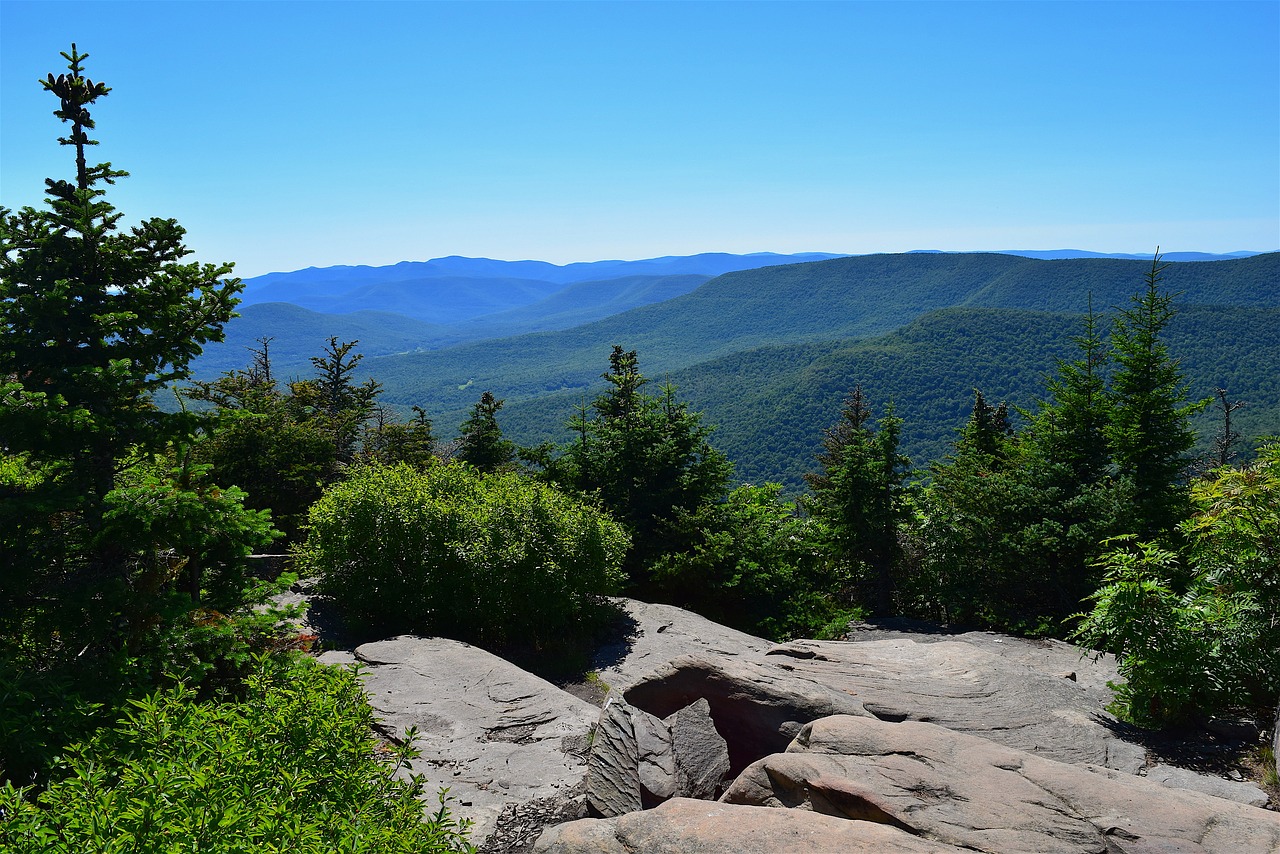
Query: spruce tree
[[860, 491], [481, 443], [647, 458], [1149, 429], [1070, 426], [112, 539]]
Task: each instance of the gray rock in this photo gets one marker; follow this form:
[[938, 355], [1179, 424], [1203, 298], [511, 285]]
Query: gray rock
[[1006, 689], [700, 753], [1275, 743], [757, 706], [630, 766], [1181, 778], [969, 792], [683, 826], [660, 633], [493, 734], [656, 766], [638, 761], [613, 776]]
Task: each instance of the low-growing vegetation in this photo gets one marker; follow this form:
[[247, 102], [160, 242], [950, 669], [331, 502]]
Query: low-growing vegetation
[[293, 768], [490, 558]]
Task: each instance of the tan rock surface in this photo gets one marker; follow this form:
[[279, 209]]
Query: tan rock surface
[[972, 793], [683, 826]]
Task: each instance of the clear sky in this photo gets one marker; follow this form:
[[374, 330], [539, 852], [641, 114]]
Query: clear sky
[[292, 134]]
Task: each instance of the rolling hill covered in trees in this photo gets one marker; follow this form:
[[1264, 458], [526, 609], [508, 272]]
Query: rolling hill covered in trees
[[769, 352]]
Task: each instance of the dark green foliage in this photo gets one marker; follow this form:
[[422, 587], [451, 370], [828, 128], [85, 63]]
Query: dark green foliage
[[117, 547], [282, 447], [292, 767], [1003, 541], [490, 558], [1199, 632], [1149, 433], [755, 564], [266, 442], [647, 458], [859, 495], [1011, 525], [389, 442], [1070, 427], [342, 406], [482, 444]]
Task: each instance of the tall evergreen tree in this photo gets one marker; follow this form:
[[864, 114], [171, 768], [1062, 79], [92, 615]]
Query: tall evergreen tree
[[1149, 430], [859, 493], [1070, 427], [110, 536], [481, 443], [649, 460]]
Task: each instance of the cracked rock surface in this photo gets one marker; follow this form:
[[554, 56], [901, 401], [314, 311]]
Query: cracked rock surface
[[1039, 697], [496, 735], [969, 792]]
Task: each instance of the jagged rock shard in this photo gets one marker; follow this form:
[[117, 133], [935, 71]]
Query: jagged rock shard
[[630, 766], [701, 754], [970, 792], [683, 826], [638, 761]]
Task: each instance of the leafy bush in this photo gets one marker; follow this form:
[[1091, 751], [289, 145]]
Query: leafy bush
[[1199, 632], [293, 768], [491, 558]]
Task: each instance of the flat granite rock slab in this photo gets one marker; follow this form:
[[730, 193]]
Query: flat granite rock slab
[[1018, 693], [659, 633], [969, 792], [492, 733], [685, 826]]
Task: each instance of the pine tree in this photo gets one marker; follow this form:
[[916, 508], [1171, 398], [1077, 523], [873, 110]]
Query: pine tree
[[648, 458], [481, 443], [1149, 430], [859, 493]]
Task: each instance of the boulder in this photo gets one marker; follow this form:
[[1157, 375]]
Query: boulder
[[1275, 743], [496, 735], [683, 826], [700, 753], [974, 794], [757, 706], [638, 761], [1035, 695], [655, 634], [1039, 696]]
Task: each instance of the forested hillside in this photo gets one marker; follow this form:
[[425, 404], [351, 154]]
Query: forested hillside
[[710, 342], [770, 405]]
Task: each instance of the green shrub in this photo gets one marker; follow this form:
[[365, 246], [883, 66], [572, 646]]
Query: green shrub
[[292, 768], [1198, 632], [492, 558]]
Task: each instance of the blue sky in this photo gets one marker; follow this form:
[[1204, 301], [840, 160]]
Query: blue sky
[[292, 134]]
